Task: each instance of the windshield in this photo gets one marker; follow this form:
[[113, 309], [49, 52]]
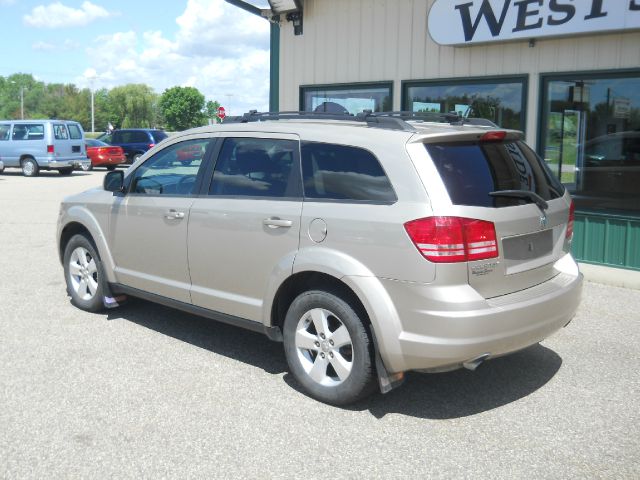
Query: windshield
[[471, 171]]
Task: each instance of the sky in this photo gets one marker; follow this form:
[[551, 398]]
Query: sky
[[220, 49]]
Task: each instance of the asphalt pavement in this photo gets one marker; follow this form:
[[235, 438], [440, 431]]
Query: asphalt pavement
[[149, 392]]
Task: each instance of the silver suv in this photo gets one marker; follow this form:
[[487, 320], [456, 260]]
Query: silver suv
[[370, 246]]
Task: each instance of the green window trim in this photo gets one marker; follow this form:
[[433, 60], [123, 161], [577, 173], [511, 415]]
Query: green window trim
[[543, 97], [388, 84], [486, 80]]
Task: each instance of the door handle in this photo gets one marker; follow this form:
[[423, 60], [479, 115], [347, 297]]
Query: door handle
[[174, 215], [276, 222]]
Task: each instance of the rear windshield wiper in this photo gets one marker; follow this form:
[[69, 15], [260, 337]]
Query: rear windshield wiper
[[524, 194]]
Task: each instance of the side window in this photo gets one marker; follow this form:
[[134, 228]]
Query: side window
[[60, 132], [257, 167], [172, 170], [139, 137], [4, 131], [28, 131], [74, 132], [338, 172]]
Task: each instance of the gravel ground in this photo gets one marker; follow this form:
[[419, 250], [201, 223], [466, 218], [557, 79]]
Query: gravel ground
[[149, 392]]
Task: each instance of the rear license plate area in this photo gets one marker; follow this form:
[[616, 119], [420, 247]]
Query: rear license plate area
[[529, 246]]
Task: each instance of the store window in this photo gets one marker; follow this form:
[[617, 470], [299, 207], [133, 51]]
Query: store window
[[500, 100], [353, 98], [590, 138]]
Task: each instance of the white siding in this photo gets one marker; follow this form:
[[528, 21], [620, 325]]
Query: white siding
[[349, 41]]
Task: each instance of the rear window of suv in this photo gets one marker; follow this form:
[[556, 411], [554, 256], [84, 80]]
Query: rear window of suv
[[158, 136], [470, 171]]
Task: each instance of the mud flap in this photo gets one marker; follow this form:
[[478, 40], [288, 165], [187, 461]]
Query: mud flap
[[387, 381]]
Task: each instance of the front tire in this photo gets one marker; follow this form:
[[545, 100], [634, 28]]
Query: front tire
[[30, 167], [84, 274], [328, 348]]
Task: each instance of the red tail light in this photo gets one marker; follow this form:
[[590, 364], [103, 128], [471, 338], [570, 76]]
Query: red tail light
[[453, 239], [572, 216], [494, 136], [50, 149], [151, 145]]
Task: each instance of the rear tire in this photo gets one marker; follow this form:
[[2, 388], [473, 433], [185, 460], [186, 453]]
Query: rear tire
[[328, 348], [111, 167], [136, 157], [84, 274], [30, 167]]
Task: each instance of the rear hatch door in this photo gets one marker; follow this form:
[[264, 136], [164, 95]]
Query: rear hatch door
[[504, 182]]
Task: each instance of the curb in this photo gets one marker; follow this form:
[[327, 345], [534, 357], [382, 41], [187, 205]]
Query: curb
[[617, 277]]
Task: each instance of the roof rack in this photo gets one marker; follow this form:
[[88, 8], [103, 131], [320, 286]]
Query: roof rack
[[385, 120], [452, 118]]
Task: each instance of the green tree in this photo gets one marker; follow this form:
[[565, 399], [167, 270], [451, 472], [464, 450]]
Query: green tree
[[132, 105], [182, 107], [211, 110]]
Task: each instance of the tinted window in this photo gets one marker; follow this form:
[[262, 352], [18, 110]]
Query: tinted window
[[347, 98], [139, 137], [4, 131], [60, 132], [470, 171], [171, 171], [337, 172], [158, 136], [591, 138], [257, 167], [74, 132], [28, 131], [501, 101]]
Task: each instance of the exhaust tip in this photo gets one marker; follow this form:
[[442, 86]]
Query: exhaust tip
[[475, 362]]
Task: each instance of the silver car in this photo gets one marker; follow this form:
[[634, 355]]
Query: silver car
[[370, 246]]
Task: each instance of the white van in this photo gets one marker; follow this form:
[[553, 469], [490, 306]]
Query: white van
[[35, 145]]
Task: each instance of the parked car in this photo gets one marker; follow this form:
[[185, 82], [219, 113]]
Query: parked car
[[1, 166], [368, 252], [35, 145], [134, 141], [104, 155]]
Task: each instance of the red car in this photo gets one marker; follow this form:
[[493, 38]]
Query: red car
[[104, 155]]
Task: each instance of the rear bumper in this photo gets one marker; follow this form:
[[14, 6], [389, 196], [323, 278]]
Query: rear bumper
[[442, 327], [71, 163]]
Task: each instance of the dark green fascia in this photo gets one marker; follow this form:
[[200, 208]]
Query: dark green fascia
[[274, 68]]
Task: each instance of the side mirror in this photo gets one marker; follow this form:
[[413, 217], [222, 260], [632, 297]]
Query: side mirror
[[114, 181]]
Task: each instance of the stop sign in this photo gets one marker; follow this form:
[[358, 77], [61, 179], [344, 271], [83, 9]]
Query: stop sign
[[221, 113]]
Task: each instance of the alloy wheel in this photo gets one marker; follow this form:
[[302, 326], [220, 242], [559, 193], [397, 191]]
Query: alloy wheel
[[83, 273], [324, 347]]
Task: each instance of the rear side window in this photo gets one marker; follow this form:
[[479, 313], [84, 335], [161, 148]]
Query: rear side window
[[158, 136], [4, 131], [28, 131], [140, 137], [257, 167], [470, 171], [339, 172], [60, 132], [74, 132]]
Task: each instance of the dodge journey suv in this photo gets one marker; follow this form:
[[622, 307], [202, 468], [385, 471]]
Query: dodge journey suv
[[369, 245]]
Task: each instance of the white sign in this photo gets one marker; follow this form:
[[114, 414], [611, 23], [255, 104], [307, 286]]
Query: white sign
[[465, 22], [621, 107]]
